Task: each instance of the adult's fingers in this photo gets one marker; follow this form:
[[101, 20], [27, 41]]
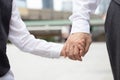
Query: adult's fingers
[[76, 53]]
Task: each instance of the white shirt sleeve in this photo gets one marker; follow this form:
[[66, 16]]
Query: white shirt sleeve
[[81, 15], [19, 35]]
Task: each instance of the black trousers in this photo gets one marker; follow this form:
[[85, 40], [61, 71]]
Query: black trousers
[[112, 33]]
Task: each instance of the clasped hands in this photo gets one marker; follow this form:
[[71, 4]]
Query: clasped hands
[[76, 46]]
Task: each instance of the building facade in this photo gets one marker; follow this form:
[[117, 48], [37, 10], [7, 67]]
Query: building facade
[[47, 4], [21, 3]]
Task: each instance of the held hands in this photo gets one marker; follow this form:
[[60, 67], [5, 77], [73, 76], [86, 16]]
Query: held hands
[[76, 46]]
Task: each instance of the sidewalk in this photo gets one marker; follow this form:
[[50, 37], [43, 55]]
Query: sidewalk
[[95, 66]]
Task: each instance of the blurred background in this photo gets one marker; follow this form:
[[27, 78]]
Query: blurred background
[[49, 20]]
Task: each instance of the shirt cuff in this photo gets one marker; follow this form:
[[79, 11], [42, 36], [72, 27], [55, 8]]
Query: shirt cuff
[[56, 50], [80, 26]]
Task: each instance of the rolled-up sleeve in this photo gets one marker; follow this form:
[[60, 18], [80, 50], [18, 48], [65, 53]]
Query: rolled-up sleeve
[[20, 36]]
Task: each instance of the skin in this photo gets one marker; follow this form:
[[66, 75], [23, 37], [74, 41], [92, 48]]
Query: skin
[[76, 46]]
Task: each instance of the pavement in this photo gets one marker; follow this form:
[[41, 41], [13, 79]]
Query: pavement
[[95, 65]]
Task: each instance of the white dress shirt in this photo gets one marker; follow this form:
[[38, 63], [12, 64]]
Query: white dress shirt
[[19, 35], [81, 15]]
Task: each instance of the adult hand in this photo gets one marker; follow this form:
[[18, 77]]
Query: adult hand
[[77, 45]]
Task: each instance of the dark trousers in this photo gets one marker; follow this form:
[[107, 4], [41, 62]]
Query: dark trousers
[[112, 32]]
